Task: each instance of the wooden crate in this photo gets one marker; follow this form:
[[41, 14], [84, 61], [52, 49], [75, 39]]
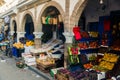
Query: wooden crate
[[61, 77], [45, 68]]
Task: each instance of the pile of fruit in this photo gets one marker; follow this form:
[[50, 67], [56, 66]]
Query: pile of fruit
[[78, 75], [84, 34], [99, 68], [29, 43], [110, 57], [62, 74], [88, 66], [106, 65], [18, 45], [92, 57], [82, 45], [107, 62], [93, 44], [93, 34]]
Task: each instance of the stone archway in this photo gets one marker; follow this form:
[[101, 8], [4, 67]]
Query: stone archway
[[78, 9], [12, 24], [51, 3], [22, 28], [14, 30]]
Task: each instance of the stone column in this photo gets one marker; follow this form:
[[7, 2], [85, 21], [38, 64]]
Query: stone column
[[20, 34], [37, 39], [68, 36]]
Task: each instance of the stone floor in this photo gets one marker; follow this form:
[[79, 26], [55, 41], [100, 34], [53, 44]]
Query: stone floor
[[9, 71]]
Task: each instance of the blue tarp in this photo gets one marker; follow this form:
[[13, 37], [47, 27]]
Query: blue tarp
[[14, 51], [17, 52], [29, 36]]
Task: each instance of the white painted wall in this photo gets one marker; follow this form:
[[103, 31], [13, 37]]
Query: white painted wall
[[93, 10]]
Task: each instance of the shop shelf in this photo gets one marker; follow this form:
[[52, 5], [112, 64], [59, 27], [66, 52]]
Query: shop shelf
[[114, 51], [88, 39], [89, 50]]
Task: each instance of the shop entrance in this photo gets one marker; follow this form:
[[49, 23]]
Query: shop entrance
[[29, 27], [100, 32], [52, 25]]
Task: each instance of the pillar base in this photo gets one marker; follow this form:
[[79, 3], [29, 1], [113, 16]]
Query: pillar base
[[38, 34], [37, 39], [68, 36]]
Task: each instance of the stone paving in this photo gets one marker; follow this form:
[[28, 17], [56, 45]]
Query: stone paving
[[9, 71]]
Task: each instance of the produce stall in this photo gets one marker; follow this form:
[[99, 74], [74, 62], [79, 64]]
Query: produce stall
[[47, 57], [91, 57]]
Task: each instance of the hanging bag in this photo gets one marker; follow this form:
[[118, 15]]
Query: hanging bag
[[54, 21], [43, 20], [76, 31]]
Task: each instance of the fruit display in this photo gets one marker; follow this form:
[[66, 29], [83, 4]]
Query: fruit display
[[18, 45], [73, 55], [84, 34], [86, 45], [64, 71], [107, 62], [29, 43], [93, 34], [83, 45], [83, 75], [62, 74], [106, 65], [93, 44], [88, 66], [110, 57], [92, 57], [78, 75], [99, 68], [104, 42], [73, 59]]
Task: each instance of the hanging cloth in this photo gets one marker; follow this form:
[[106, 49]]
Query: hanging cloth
[[43, 20], [54, 21], [47, 20], [106, 25], [76, 31]]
